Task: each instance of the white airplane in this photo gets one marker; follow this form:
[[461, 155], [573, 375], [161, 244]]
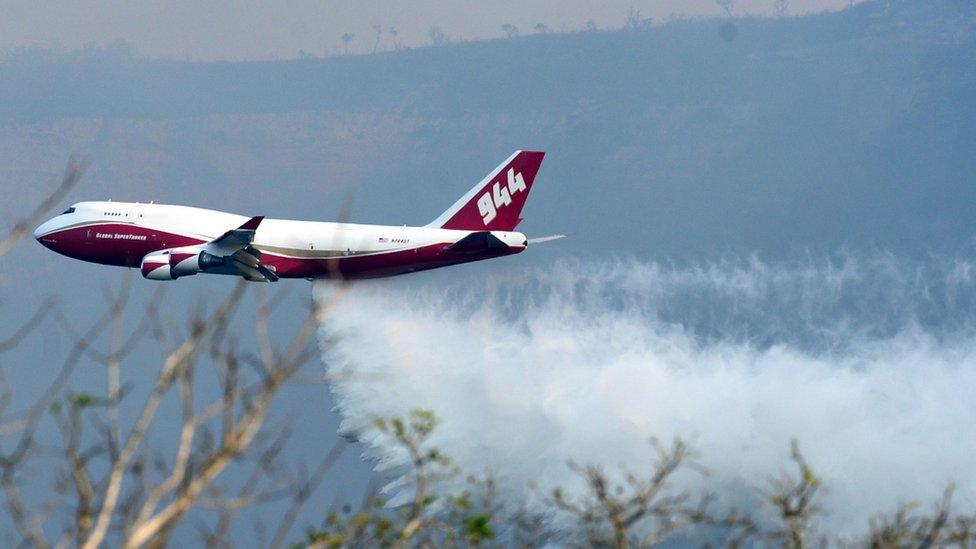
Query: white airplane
[[169, 242]]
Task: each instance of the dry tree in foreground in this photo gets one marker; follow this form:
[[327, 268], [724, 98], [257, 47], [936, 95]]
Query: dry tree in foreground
[[794, 501], [622, 506], [116, 488], [114, 484]]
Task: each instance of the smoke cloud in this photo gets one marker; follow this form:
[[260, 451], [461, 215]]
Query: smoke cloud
[[870, 363]]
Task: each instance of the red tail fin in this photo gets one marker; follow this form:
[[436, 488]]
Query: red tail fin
[[496, 203]]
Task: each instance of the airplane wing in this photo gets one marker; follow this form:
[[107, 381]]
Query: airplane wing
[[248, 262], [235, 239], [237, 256]]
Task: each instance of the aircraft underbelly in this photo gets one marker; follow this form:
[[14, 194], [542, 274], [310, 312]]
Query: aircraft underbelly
[[372, 265]]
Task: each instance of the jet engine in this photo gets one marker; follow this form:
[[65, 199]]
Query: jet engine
[[155, 266], [172, 264]]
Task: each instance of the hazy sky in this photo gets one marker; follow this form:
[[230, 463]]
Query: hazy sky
[[818, 141], [249, 30]]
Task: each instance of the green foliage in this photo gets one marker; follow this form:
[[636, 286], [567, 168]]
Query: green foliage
[[423, 422], [479, 527], [85, 400], [461, 502], [372, 526]]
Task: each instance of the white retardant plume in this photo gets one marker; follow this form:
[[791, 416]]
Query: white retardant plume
[[870, 363]]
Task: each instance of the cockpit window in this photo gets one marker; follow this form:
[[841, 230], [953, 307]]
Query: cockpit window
[[70, 210]]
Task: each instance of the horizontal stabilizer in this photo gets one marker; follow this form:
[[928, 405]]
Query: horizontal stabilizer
[[476, 243], [541, 239]]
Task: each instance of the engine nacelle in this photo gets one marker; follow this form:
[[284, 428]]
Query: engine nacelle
[[184, 262], [172, 264], [155, 266]]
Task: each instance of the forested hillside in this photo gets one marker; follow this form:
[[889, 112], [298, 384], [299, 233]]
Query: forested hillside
[[850, 128]]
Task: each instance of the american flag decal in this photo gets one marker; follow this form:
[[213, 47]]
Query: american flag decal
[[384, 239]]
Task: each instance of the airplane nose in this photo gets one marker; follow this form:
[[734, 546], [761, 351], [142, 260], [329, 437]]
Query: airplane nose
[[44, 229]]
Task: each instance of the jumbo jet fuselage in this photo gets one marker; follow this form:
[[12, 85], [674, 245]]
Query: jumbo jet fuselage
[[123, 234], [168, 242]]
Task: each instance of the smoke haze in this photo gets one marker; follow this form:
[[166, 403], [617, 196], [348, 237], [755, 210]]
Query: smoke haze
[[224, 30]]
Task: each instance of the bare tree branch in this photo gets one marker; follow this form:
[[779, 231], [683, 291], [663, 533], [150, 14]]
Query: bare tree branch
[[72, 174], [173, 362], [303, 493], [26, 328]]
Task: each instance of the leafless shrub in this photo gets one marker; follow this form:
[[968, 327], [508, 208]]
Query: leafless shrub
[[378, 34], [905, 528], [781, 8], [392, 31], [728, 6], [635, 21], [113, 486], [347, 38], [437, 36], [619, 507], [794, 501]]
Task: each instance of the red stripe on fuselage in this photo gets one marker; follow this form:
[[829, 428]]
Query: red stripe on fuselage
[[113, 243], [125, 245], [374, 265]]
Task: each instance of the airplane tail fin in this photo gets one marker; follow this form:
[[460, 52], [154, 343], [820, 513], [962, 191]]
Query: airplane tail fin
[[495, 203]]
